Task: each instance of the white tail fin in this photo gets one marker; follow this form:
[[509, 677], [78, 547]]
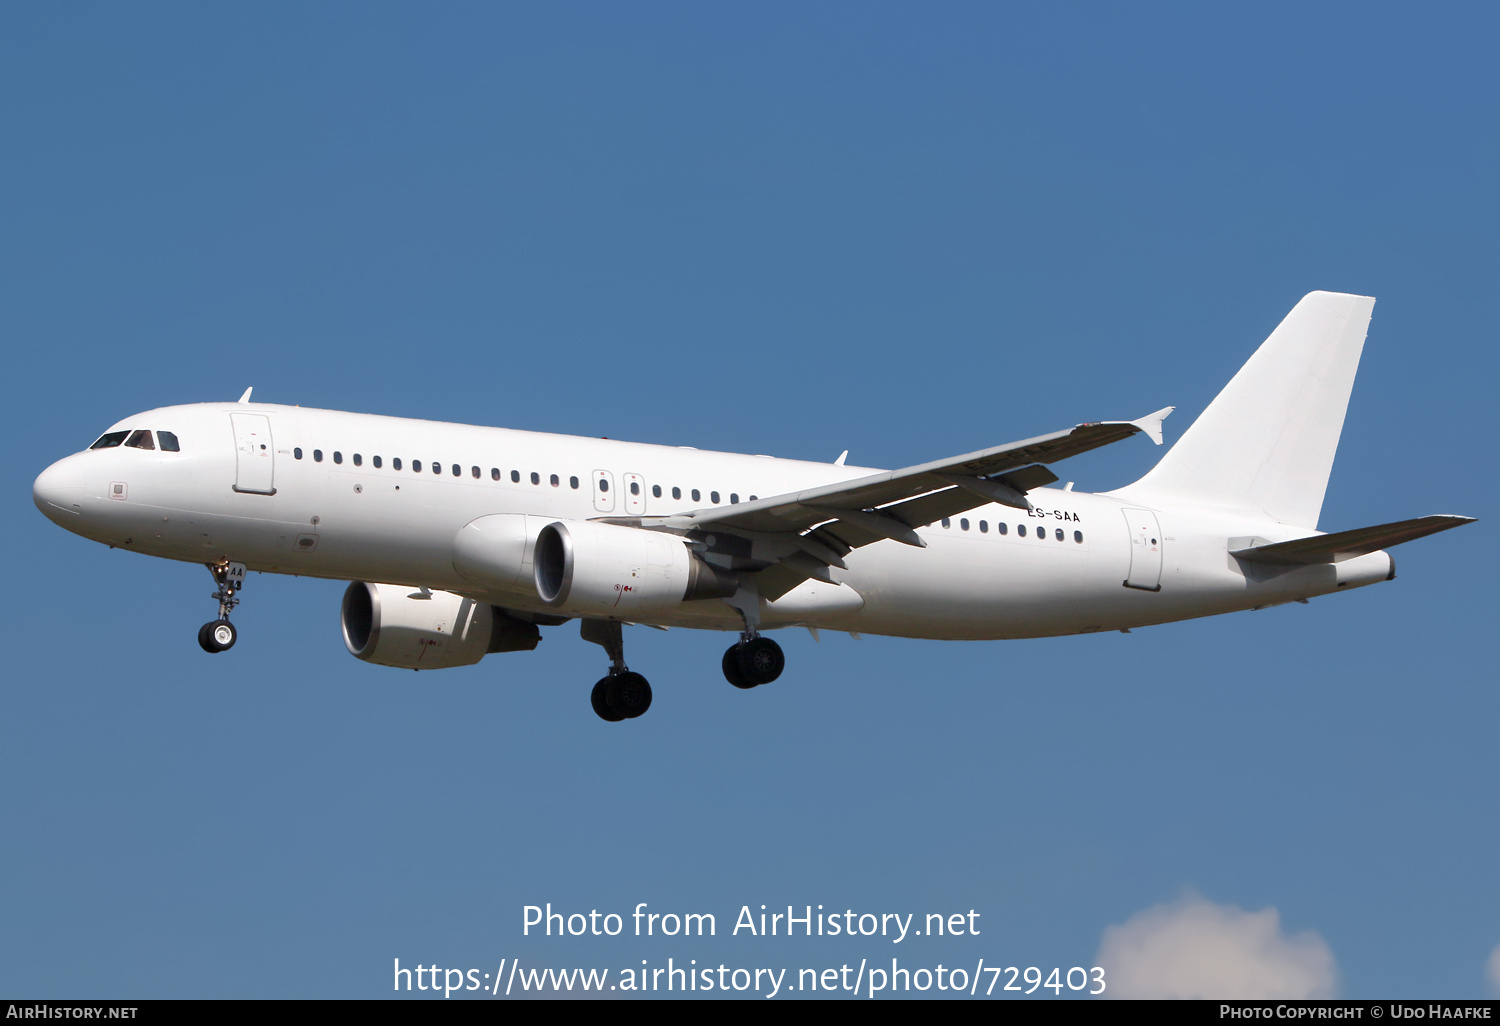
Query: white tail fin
[[1266, 444]]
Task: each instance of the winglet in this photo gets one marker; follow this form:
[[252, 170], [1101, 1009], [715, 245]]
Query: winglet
[[1151, 423], [246, 397]]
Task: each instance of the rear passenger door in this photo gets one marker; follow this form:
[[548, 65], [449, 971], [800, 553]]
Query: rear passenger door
[[1145, 550]]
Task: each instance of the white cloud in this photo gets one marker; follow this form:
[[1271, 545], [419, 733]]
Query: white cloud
[[1492, 969], [1193, 948]]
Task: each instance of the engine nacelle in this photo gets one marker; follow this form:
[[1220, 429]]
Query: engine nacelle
[[592, 569], [495, 550], [394, 625]]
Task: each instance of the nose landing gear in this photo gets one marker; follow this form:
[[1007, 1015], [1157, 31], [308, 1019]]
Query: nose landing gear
[[219, 635]]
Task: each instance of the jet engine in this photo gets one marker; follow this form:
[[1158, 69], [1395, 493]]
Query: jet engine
[[417, 629], [593, 569]]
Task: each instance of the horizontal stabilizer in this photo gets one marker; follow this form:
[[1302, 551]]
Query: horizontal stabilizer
[[1335, 548]]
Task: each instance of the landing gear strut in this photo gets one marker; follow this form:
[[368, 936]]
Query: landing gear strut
[[754, 660], [623, 694], [219, 635]]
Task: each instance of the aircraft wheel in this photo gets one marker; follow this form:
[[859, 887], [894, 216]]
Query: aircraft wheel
[[601, 707], [217, 636], [760, 660], [627, 694], [732, 668]]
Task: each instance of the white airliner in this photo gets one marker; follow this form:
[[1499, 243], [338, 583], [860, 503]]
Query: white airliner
[[463, 541]]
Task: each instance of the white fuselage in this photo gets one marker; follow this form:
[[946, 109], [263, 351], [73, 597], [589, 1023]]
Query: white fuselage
[[313, 502]]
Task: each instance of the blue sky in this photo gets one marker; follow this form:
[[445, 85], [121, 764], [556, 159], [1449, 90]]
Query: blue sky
[[768, 228]]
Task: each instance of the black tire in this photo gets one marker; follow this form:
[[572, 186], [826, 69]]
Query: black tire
[[217, 636], [600, 706], [732, 668], [760, 660], [628, 694]]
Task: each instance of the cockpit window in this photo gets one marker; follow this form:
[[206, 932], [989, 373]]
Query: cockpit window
[[140, 440], [110, 440], [168, 441]]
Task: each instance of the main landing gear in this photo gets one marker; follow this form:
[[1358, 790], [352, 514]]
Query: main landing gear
[[623, 694], [219, 635], [753, 661]]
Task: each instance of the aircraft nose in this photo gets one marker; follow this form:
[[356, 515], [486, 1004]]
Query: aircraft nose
[[58, 493]]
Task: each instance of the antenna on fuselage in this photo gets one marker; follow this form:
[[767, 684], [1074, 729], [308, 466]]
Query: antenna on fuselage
[[246, 397]]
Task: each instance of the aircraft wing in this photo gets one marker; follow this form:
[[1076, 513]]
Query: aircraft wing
[[891, 504], [983, 474]]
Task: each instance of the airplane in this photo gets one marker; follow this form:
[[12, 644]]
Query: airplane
[[463, 541]]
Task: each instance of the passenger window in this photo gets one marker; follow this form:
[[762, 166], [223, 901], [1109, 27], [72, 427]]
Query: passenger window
[[676, 492], [963, 523], [317, 455], [1078, 537], [713, 497], [437, 468], [697, 496], [338, 457], [603, 485], [396, 463], [375, 460], [536, 478], [754, 497], [140, 440], [947, 522], [168, 441], [1020, 530], [635, 488], [457, 470], [297, 453], [416, 466], [494, 473], [358, 459], [515, 477], [656, 491], [573, 483], [475, 472], [1001, 528], [555, 480], [734, 497], [1059, 534], [984, 527], [110, 440]]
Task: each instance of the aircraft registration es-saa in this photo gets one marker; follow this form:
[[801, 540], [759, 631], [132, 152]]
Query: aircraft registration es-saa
[[463, 541]]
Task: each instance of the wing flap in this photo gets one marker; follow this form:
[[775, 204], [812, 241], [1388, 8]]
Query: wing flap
[[1335, 548]]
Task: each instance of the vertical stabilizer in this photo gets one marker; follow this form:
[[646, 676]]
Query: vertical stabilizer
[[1266, 444]]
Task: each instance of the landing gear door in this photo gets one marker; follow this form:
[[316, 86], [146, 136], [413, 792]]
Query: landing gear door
[[604, 491], [254, 455], [1145, 550]]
